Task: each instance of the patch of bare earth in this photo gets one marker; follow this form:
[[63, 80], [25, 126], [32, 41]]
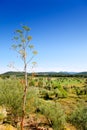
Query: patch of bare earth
[[38, 122]]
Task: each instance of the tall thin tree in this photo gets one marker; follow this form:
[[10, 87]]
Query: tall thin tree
[[22, 47]]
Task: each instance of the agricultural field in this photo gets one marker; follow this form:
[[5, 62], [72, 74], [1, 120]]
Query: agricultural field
[[53, 103]]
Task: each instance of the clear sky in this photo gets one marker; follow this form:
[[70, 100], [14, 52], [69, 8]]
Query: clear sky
[[58, 28]]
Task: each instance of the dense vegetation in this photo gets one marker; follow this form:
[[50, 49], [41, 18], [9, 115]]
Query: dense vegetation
[[52, 102], [47, 74]]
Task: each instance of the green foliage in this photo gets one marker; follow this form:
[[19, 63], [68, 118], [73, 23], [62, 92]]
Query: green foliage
[[81, 91], [26, 28], [43, 99], [54, 114], [40, 83], [79, 117], [11, 93], [29, 38], [31, 83], [85, 90], [45, 94], [78, 90], [19, 31], [59, 91], [32, 99]]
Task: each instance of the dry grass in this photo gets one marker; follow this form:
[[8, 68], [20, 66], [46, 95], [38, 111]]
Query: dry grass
[[7, 127], [69, 127]]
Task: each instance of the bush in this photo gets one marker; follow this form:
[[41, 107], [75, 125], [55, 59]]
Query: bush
[[32, 99], [54, 114], [79, 117], [46, 94], [11, 94]]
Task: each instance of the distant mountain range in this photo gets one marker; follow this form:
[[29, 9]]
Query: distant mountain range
[[67, 74], [63, 73]]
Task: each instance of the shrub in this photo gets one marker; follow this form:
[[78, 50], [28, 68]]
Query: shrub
[[79, 117], [32, 99], [54, 114], [11, 93]]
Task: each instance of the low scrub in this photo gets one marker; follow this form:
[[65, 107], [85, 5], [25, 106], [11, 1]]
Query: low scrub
[[79, 117], [54, 114]]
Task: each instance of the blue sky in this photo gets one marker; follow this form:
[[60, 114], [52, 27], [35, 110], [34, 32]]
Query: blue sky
[[58, 28]]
